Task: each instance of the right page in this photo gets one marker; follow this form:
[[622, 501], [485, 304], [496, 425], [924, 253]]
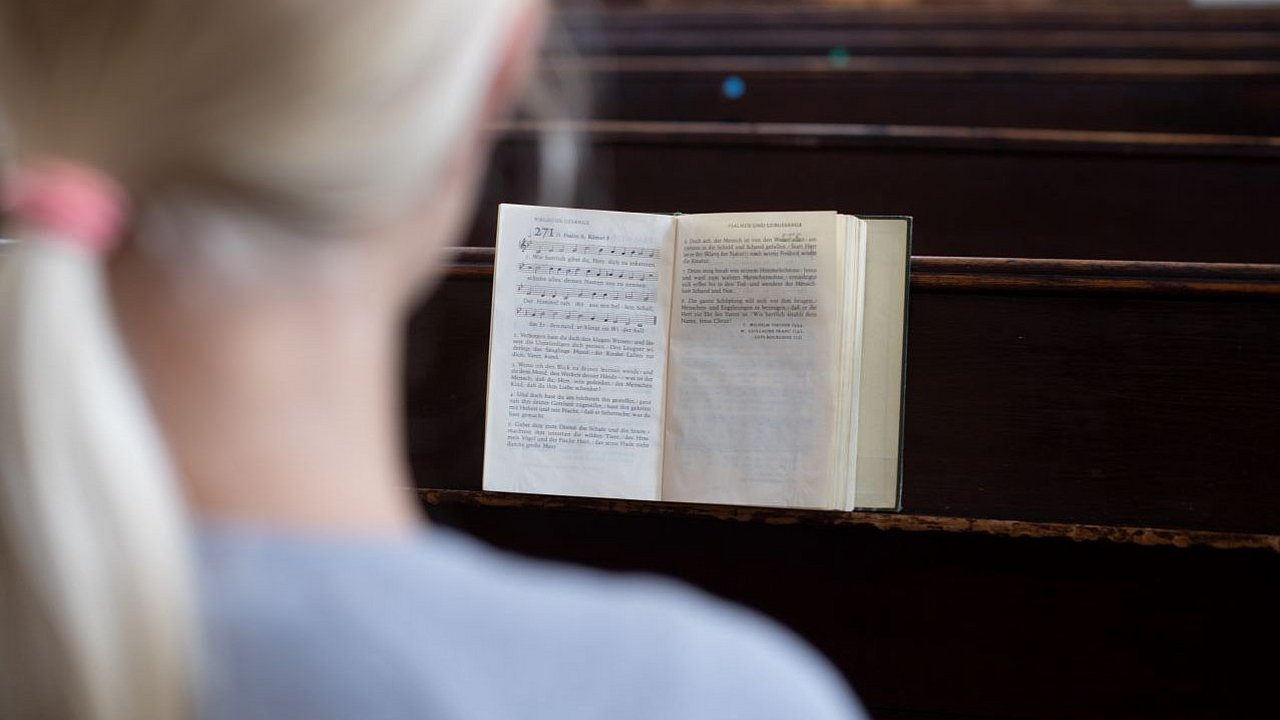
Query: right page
[[753, 371]]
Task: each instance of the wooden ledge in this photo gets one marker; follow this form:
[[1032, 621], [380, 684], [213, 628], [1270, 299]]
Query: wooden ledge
[[1022, 16], [1039, 68], [880, 137], [879, 520], [1114, 277], [1027, 275]]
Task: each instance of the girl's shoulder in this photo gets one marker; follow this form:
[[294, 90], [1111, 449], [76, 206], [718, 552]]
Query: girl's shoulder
[[443, 626]]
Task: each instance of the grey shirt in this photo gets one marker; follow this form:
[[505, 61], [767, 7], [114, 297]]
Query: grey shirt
[[441, 627]]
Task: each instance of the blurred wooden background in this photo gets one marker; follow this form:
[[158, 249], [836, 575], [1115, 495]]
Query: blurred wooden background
[[1091, 509]]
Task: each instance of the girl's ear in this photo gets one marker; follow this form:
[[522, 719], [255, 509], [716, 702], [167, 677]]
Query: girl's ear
[[519, 49]]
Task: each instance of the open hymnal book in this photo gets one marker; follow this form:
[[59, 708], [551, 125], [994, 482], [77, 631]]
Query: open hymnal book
[[737, 358]]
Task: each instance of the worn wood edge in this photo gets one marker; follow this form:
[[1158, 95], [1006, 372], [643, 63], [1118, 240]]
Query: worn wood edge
[[947, 283], [790, 32], [882, 137], [1090, 267], [1154, 537], [791, 66], [1050, 42], [1074, 276], [1247, 18], [1030, 275]]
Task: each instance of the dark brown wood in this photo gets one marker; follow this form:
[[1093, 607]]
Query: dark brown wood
[[843, 135], [1100, 30], [928, 66], [974, 192], [960, 625], [1110, 16], [963, 274], [938, 42], [1090, 496], [1104, 277], [880, 520], [1093, 409], [1181, 96]]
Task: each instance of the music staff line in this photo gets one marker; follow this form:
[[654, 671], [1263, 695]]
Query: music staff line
[[537, 269], [603, 317], [544, 291], [584, 249]]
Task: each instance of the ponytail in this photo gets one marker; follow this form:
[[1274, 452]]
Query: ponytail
[[298, 120], [96, 598]]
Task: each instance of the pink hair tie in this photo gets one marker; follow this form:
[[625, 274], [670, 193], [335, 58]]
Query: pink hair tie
[[80, 204]]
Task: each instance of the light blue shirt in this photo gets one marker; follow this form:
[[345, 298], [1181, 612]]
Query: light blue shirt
[[442, 627]]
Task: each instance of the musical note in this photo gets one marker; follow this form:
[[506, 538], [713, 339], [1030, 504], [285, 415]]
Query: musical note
[[563, 293], [603, 317], [582, 249], [536, 269]]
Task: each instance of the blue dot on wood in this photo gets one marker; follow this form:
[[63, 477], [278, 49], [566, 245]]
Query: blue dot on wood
[[733, 87]]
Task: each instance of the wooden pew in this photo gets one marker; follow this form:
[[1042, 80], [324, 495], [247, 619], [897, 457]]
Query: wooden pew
[[1165, 71], [946, 623], [1161, 95], [1089, 524], [1085, 392], [955, 624], [956, 32], [973, 191]]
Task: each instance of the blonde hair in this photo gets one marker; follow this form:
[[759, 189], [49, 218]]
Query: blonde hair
[[295, 117]]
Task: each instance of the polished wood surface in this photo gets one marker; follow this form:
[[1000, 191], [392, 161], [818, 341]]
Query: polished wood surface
[[1160, 95], [1098, 32], [984, 192], [975, 274], [883, 520], [1122, 15], [1028, 398], [961, 625], [1089, 525]]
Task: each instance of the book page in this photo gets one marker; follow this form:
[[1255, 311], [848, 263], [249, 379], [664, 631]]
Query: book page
[[577, 360], [753, 371]]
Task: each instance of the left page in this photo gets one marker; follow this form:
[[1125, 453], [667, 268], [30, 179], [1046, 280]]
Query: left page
[[578, 352]]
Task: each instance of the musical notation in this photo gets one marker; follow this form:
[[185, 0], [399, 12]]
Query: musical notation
[[564, 293], [582, 249], [603, 317], [536, 269]]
